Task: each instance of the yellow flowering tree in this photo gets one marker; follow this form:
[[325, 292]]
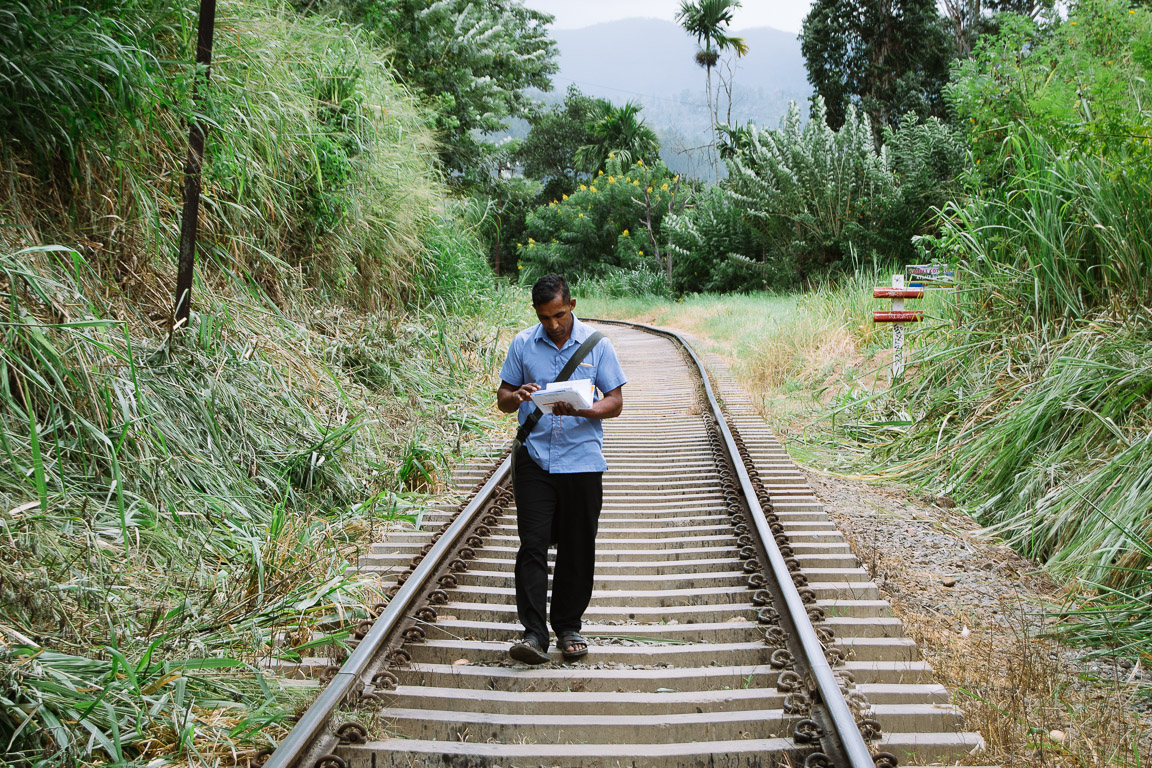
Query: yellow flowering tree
[[612, 223]]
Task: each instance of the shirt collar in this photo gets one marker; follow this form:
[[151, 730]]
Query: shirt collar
[[580, 332]]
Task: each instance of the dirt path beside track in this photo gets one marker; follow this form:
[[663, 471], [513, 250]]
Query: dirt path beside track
[[979, 613]]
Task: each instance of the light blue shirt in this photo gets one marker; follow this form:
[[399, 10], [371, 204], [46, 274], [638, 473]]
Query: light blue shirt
[[562, 444]]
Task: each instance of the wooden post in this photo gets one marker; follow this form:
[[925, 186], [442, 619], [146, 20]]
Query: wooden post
[[897, 316], [192, 168], [897, 331]]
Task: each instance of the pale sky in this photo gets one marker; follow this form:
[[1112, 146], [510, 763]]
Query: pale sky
[[573, 14]]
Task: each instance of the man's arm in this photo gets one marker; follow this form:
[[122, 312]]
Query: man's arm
[[607, 407], [509, 396]]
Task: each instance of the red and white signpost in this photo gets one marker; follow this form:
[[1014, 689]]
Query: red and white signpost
[[897, 316]]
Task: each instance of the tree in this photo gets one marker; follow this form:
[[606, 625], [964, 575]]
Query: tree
[[818, 195], [889, 57], [707, 20], [969, 20], [549, 151], [610, 225], [472, 61], [618, 131]]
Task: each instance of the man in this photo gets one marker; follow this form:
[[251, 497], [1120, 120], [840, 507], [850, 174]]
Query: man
[[558, 470]]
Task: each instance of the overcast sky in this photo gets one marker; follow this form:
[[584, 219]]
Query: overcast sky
[[573, 14]]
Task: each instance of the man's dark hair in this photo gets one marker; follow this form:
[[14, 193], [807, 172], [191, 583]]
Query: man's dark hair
[[548, 288]]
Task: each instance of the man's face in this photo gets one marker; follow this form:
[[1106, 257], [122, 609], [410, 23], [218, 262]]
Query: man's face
[[556, 317]]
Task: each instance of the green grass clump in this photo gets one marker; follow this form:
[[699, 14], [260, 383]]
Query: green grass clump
[[204, 498], [175, 512], [1032, 403], [65, 69]]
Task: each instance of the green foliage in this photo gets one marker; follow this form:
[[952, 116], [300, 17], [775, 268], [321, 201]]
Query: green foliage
[[570, 145], [549, 152], [614, 222], [970, 20], [619, 132], [621, 283], [887, 58], [460, 277], [472, 61], [206, 495], [1080, 84], [110, 710], [1071, 235], [69, 72], [327, 141], [318, 169], [818, 195], [1032, 403], [716, 249]]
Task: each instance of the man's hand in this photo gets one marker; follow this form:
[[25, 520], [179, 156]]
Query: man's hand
[[566, 409], [524, 394], [607, 407], [509, 397]]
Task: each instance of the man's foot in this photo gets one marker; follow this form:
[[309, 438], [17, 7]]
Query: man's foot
[[529, 651], [572, 645]]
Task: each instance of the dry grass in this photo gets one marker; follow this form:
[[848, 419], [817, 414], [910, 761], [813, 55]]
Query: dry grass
[[1034, 703]]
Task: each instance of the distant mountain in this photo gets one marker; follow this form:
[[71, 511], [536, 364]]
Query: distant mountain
[[652, 62]]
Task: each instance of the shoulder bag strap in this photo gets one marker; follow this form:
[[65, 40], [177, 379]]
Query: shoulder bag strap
[[568, 369]]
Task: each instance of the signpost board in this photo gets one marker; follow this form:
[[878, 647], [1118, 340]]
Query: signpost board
[[930, 276]]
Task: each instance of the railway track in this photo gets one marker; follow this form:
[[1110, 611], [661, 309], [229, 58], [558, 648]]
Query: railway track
[[731, 625]]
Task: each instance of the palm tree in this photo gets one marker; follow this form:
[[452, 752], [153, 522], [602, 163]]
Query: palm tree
[[620, 131], [707, 21]]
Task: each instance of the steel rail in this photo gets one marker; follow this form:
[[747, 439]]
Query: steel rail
[[304, 736], [851, 740]]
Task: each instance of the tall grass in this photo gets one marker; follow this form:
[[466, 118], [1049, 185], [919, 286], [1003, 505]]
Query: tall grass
[[1032, 405], [617, 283], [318, 171], [73, 71], [202, 497]]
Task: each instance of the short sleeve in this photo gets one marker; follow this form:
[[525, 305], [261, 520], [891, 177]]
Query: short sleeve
[[513, 369], [609, 374]]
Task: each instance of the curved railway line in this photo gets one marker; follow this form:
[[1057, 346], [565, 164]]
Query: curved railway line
[[730, 626]]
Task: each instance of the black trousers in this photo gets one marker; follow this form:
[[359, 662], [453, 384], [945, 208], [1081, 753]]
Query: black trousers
[[563, 509]]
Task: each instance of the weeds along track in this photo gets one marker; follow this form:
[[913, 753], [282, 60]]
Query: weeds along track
[[730, 624]]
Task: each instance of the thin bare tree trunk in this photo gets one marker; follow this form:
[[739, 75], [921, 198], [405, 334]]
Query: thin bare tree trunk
[[712, 127]]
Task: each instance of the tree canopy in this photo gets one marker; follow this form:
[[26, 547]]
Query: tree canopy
[[472, 61], [548, 153], [618, 131], [889, 57]]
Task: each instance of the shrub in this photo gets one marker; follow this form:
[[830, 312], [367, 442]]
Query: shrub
[[1080, 83], [715, 249], [613, 222], [817, 194]]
